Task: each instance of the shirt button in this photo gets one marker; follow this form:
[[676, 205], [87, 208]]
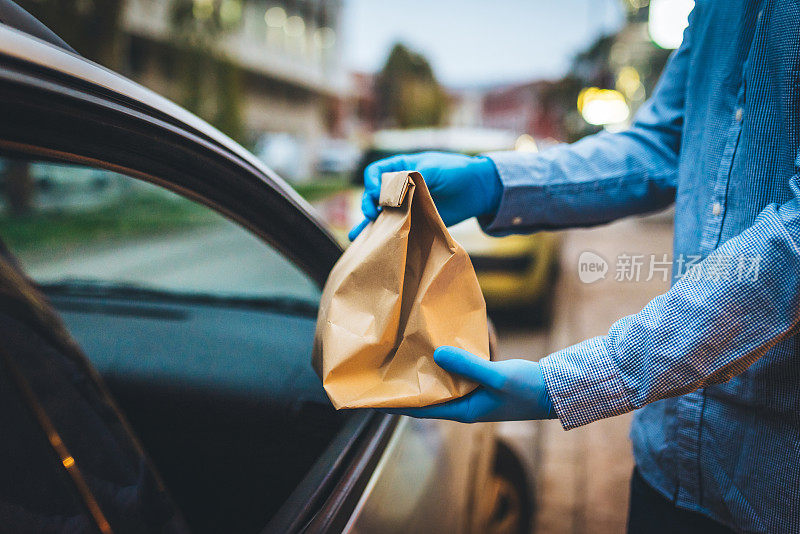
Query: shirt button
[[516, 221], [716, 209], [739, 114]]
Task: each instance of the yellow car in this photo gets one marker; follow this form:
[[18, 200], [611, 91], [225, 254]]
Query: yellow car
[[516, 271]]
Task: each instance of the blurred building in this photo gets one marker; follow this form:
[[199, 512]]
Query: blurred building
[[524, 109], [363, 104], [521, 108], [466, 107], [289, 80], [626, 64]]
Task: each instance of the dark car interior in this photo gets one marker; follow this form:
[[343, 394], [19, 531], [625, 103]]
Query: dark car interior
[[75, 465], [221, 394], [222, 397]]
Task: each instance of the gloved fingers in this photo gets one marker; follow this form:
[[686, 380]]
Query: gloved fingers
[[374, 171], [369, 206], [357, 229], [466, 364], [465, 409], [449, 410]]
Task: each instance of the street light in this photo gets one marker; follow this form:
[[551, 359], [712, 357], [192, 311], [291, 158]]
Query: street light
[[629, 83], [668, 19]]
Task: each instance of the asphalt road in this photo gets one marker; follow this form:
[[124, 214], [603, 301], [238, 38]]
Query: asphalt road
[[583, 474], [222, 259]]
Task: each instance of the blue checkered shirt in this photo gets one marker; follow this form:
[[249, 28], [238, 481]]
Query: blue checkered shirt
[[713, 365]]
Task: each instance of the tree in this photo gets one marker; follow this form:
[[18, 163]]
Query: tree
[[212, 84], [19, 187], [92, 28], [408, 94]]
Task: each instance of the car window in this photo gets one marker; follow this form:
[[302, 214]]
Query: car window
[[70, 224], [223, 382]]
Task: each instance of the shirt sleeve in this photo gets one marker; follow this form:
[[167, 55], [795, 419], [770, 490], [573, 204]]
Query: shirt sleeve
[[601, 177], [719, 318]]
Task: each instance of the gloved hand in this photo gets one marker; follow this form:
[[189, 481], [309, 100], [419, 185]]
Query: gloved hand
[[511, 390], [461, 186]]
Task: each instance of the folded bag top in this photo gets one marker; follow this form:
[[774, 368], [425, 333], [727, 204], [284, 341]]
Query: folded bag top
[[403, 288]]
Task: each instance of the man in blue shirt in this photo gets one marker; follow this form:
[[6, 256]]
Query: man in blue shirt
[[712, 365]]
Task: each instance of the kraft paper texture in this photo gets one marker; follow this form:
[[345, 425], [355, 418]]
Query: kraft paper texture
[[402, 288]]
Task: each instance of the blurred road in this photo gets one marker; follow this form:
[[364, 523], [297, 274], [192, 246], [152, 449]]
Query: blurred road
[[583, 474], [218, 259]]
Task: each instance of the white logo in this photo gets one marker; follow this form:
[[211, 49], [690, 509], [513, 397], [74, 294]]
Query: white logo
[[591, 267]]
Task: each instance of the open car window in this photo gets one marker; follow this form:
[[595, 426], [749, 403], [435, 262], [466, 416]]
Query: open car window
[[79, 227]]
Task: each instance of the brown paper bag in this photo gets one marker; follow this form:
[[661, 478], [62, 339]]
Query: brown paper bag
[[402, 288]]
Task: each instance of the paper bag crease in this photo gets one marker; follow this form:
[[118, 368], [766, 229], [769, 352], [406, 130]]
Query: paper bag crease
[[403, 288]]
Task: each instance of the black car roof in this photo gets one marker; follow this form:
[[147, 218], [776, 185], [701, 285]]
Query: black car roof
[[16, 17]]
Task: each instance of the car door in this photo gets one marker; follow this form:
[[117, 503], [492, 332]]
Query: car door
[[62, 111]]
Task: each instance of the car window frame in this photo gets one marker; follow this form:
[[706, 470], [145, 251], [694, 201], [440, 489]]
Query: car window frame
[[144, 136], [61, 107]]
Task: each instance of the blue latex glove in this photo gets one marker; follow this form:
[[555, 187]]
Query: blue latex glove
[[461, 186], [511, 390]]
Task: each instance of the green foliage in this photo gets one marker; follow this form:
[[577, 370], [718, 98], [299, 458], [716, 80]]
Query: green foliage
[[323, 187], [138, 216], [229, 113], [91, 27], [204, 20], [211, 84], [407, 91]]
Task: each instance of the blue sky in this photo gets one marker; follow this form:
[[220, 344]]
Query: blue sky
[[478, 42]]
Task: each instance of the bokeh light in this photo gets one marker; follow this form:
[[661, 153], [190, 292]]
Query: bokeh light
[[668, 19], [603, 106]]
